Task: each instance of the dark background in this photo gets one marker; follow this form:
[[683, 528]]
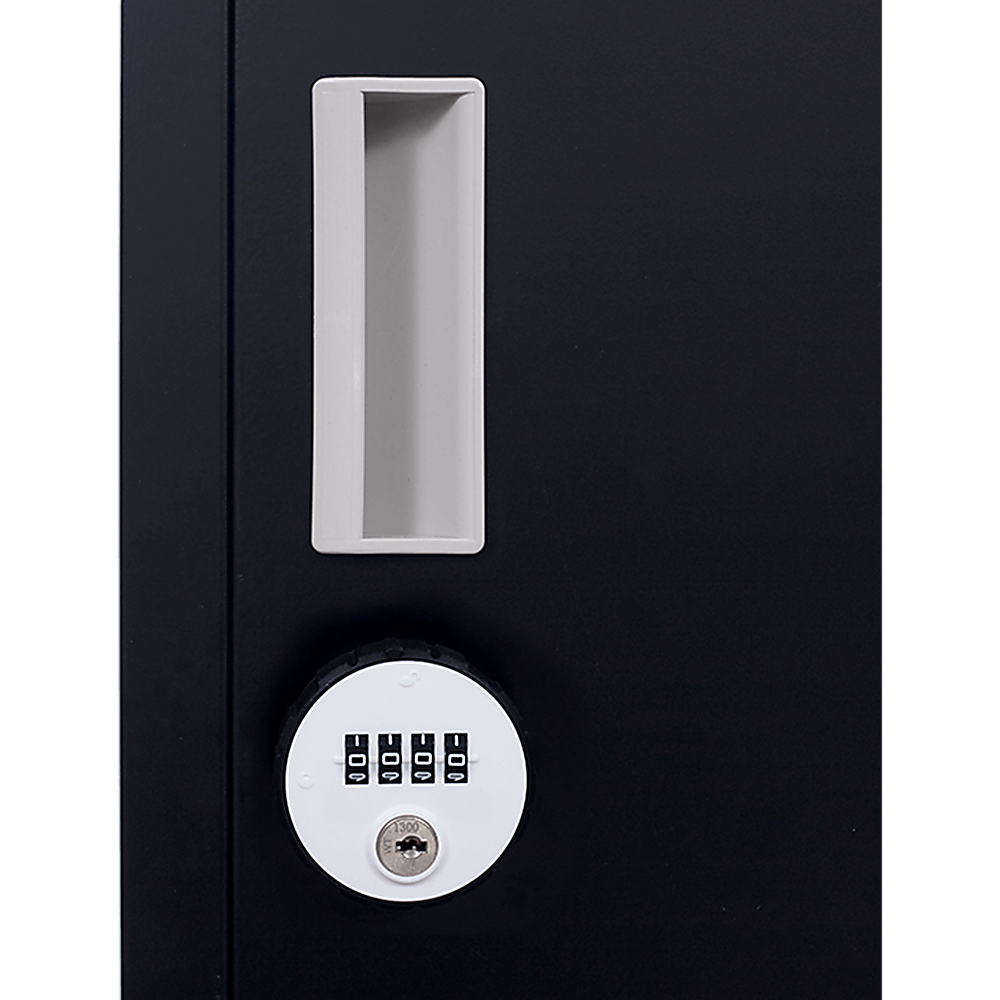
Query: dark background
[[679, 589]]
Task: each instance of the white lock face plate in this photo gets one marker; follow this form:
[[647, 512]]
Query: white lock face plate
[[343, 783]]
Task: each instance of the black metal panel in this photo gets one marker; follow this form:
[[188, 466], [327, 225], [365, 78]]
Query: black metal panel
[[173, 529], [679, 585]]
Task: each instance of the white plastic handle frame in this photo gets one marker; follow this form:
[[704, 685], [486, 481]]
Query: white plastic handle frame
[[398, 463]]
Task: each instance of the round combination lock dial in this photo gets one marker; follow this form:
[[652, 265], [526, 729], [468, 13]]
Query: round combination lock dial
[[403, 773]]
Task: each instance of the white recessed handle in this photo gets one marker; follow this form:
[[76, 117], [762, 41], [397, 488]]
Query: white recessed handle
[[398, 315]]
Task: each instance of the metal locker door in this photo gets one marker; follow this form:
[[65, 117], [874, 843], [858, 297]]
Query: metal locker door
[[678, 590]]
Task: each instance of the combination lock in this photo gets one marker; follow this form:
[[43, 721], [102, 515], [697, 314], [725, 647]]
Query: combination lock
[[403, 774]]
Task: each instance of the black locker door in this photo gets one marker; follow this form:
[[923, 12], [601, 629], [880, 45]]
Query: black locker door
[[679, 588]]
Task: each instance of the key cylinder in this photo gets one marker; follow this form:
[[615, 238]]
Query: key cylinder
[[407, 846]]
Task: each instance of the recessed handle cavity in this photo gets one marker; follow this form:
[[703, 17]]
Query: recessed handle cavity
[[398, 461]]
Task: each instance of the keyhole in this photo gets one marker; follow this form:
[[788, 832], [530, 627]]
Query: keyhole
[[411, 847]]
